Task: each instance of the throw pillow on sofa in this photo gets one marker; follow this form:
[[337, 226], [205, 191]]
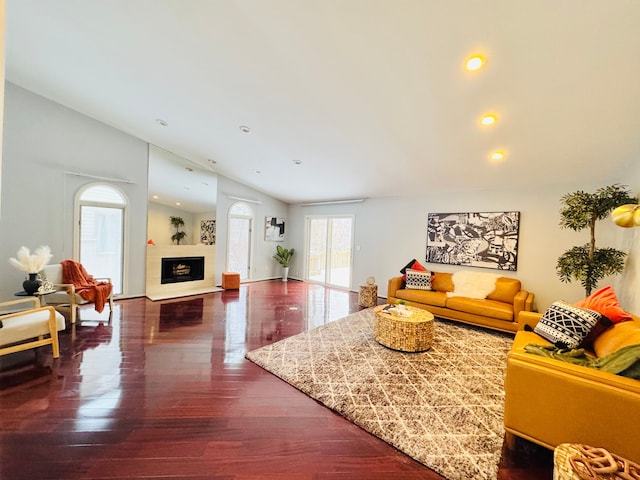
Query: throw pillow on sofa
[[605, 301], [566, 325], [418, 279], [413, 265]]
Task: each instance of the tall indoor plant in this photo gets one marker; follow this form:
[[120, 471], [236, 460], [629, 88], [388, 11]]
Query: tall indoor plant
[[283, 256], [177, 223], [581, 210]]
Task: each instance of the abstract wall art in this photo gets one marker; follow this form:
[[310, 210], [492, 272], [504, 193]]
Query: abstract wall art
[[475, 239], [208, 232], [274, 229]]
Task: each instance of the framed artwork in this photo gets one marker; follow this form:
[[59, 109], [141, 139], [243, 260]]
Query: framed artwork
[[274, 229], [477, 239], [208, 232]]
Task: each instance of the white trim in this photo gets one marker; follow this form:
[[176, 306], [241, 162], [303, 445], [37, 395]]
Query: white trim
[[97, 177]]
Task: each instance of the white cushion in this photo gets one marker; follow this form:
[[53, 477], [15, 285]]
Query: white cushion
[[59, 297], [30, 325], [53, 272]]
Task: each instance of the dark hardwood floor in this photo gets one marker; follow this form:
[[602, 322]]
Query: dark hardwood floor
[[164, 391]]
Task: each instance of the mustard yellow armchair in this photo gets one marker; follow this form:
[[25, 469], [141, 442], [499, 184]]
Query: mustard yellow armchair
[[550, 402]]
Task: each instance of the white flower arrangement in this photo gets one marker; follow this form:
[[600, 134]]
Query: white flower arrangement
[[31, 263]]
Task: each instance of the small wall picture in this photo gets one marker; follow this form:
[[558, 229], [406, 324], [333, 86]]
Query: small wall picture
[[476, 239], [208, 232], [274, 229]]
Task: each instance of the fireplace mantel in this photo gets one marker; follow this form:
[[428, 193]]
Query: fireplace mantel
[[155, 290]]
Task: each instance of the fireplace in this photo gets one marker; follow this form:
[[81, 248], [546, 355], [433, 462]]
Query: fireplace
[[182, 269]]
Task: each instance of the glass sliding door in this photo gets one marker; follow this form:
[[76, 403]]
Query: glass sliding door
[[329, 250]]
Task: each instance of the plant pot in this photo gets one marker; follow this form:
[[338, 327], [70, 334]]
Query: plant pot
[[32, 284], [285, 274]]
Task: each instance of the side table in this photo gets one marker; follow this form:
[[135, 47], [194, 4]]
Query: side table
[[368, 296]]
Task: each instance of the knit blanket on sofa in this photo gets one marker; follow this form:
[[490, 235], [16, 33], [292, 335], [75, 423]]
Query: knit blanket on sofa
[[624, 362], [86, 286]]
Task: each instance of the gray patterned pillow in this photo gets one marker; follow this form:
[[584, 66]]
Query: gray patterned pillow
[[565, 325], [418, 279]]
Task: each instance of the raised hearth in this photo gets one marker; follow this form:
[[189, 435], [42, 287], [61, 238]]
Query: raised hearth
[[182, 264]]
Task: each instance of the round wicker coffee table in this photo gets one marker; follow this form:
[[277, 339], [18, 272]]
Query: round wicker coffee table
[[407, 334]]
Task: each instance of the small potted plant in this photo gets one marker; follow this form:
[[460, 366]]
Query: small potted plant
[[177, 223], [283, 256]]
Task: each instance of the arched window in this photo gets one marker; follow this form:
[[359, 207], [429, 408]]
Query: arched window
[[240, 226], [99, 238]]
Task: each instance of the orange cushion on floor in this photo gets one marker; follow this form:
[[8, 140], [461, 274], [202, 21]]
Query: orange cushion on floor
[[230, 280]]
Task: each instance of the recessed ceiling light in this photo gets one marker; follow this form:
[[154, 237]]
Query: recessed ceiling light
[[212, 162], [489, 119], [475, 62], [178, 203], [497, 156], [258, 171], [155, 196], [161, 122], [245, 129], [297, 162], [188, 169], [186, 188]]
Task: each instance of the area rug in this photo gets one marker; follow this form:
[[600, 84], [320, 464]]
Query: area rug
[[442, 407]]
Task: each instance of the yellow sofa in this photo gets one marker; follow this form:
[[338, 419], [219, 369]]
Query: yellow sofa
[[551, 402], [498, 311]]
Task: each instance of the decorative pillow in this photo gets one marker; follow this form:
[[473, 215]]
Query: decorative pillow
[[418, 279], [413, 265], [605, 301], [602, 326], [566, 325]]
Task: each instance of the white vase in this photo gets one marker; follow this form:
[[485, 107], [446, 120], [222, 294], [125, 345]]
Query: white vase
[[285, 273]]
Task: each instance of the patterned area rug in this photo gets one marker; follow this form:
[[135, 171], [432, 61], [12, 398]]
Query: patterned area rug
[[443, 407]]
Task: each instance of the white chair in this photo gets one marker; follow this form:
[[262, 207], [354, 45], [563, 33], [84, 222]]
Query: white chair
[[66, 294], [31, 328]]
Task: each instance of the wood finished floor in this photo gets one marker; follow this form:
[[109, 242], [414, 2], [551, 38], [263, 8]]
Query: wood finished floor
[[164, 391]]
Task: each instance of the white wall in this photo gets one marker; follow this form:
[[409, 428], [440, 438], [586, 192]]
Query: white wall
[[42, 140], [159, 227], [197, 218], [391, 231], [628, 240], [263, 266]]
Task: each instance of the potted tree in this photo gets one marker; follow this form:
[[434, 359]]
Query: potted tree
[[581, 210], [177, 223], [283, 256]]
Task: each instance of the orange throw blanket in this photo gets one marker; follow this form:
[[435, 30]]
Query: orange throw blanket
[[86, 286]]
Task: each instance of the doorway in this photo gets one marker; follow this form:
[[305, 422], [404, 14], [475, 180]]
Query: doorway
[[100, 234], [240, 226], [329, 248]]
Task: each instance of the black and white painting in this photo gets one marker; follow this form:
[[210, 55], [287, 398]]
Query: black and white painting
[[274, 229], [208, 232], [476, 239]]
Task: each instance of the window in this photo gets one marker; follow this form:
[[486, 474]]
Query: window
[[99, 244]]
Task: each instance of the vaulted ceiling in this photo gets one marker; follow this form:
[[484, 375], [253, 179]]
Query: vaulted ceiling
[[349, 98]]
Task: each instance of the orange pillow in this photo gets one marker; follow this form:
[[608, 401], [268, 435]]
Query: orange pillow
[[605, 301], [412, 265]]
